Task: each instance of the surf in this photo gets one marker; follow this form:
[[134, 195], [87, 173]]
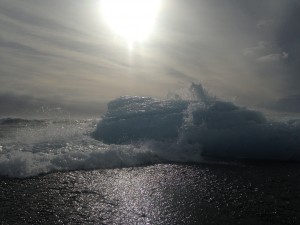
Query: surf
[[136, 131], [219, 128]]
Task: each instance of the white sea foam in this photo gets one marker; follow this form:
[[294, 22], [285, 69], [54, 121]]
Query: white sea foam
[[138, 131], [219, 128]]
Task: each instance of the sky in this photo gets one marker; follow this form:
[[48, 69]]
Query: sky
[[61, 54]]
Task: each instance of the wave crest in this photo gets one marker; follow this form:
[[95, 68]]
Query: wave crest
[[219, 128]]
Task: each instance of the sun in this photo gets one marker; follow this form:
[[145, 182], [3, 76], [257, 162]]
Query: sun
[[132, 20]]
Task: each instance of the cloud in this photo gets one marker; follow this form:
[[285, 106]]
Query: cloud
[[289, 103], [62, 47], [273, 57], [263, 24], [261, 46], [179, 75]]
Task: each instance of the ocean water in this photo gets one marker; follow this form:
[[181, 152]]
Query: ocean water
[[179, 160], [137, 131]]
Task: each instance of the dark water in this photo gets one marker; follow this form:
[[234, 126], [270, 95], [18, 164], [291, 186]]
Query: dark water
[[145, 162], [248, 193]]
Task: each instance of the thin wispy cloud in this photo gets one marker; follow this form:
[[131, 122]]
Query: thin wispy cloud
[[273, 57], [252, 51], [64, 47], [265, 24]]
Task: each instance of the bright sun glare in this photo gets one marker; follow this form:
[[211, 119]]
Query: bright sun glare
[[133, 20]]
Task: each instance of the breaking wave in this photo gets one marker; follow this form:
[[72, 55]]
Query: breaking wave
[[138, 131], [218, 128]]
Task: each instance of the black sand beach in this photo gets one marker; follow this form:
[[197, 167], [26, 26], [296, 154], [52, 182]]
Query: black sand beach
[[248, 193]]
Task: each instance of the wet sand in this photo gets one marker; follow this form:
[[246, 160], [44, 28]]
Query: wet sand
[[244, 193]]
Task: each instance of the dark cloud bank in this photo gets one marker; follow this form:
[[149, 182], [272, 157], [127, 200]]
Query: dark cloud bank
[[287, 104]]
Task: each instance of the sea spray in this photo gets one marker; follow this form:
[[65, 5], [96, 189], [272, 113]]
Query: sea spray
[[138, 131], [219, 128]]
